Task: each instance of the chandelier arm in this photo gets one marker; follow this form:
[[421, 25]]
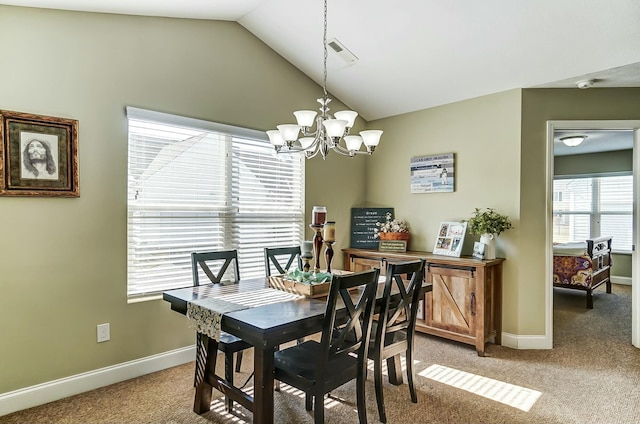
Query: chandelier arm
[[346, 152]]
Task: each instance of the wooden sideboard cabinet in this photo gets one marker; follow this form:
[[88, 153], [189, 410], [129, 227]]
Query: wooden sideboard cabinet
[[465, 303]]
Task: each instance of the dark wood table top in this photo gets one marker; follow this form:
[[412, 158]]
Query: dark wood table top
[[264, 326]]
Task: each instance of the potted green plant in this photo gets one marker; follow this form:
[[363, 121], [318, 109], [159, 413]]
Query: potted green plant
[[488, 224]]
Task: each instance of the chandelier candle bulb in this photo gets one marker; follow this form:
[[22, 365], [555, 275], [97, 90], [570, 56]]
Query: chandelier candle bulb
[[330, 231], [318, 215]]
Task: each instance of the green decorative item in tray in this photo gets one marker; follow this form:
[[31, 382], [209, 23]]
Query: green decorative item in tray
[[306, 284], [308, 277]]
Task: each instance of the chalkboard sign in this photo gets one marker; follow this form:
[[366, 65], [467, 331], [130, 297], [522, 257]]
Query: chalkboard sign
[[363, 222]]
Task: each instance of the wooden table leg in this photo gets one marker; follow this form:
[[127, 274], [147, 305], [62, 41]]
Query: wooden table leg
[[394, 369], [208, 351], [263, 386]]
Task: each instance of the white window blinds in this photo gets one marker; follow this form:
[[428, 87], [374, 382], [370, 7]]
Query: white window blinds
[[593, 207], [197, 186]]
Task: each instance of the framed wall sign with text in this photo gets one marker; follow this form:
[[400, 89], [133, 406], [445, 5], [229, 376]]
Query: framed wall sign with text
[[433, 174]]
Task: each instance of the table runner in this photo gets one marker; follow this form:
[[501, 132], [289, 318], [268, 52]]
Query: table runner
[[206, 314]]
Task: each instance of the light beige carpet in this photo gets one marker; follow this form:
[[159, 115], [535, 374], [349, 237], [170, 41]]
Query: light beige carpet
[[592, 375]]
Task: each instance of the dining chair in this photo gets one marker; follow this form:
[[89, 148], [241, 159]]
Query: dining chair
[[319, 367], [221, 267], [277, 256], [393, 332]]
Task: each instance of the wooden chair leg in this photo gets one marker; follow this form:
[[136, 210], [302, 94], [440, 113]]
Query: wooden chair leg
[[360, 392], [308, 401], [589, 299], [318, 409], [228, 375], [377, 377], [410, 373], [238, 361]]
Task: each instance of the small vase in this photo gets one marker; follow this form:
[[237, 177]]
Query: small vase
[[490, 245]]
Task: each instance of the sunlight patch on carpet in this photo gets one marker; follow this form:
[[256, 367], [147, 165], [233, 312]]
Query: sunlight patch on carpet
[[499, 391], [329, 401], [403, 364]]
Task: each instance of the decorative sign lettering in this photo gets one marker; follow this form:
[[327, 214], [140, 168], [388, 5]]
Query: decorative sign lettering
[[393, 246], [431, 174], [363, 224]]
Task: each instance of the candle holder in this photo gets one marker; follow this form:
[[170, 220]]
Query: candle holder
[[328, 254], [317, 244]]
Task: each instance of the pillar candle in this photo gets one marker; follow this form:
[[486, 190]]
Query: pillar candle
[[318, 215], [307, 247], [330, 231]]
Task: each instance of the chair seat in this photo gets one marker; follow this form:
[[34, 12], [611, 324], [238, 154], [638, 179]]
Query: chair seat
[[231, 343], [296, 366]]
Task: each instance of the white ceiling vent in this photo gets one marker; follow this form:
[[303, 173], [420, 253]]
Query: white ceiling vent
[[342, 51]]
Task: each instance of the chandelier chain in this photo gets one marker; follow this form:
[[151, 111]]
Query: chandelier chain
[[324, 44]]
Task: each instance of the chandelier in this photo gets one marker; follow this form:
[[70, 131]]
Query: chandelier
[[331, 132]]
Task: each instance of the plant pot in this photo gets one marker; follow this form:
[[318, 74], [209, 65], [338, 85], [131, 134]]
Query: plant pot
[[490, 245], [395, 236]]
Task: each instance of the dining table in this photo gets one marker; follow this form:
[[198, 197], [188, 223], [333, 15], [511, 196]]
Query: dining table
[[265, 327]]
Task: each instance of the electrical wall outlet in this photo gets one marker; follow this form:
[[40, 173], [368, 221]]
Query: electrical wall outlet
[[104, 332]]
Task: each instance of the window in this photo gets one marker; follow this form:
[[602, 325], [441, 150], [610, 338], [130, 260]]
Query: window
[[195, 185], [592, 207]]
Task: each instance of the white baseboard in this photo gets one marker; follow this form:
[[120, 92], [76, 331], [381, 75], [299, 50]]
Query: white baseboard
[[621, 280], [29, 397], [515, 341]]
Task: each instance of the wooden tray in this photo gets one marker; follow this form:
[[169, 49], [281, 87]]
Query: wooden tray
[[302, 289]]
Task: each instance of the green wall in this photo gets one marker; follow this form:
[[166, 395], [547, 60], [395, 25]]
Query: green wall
[[538, 107], [484, 135], [63, 261], [594, 163]]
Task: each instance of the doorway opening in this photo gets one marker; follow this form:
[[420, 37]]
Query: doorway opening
[[620, 140]]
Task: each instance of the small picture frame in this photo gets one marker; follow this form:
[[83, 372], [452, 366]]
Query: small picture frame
[[478, 250], [450, 239], [39, 155]]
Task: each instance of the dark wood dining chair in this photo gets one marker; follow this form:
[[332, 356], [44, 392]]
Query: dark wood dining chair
[[319, 367], [221, 267], [277, 256], [393, 332]]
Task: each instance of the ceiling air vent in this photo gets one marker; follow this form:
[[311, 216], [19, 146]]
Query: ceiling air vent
[[342, 51]]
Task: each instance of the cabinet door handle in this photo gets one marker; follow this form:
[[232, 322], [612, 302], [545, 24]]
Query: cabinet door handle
[[472, 304]]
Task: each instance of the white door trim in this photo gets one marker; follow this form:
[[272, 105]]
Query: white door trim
[[635, 269]]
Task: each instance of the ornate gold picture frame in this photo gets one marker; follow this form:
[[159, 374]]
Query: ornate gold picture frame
[[38, 155]]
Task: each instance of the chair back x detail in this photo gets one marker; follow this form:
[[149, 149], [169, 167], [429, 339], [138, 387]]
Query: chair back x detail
[[220, 262], [276, 256]]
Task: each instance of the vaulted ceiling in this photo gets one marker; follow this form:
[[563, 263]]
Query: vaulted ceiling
[[416, 54]]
